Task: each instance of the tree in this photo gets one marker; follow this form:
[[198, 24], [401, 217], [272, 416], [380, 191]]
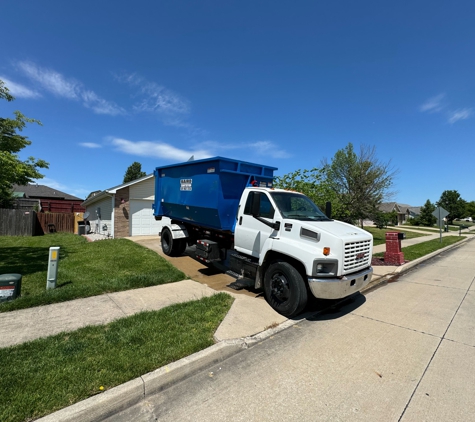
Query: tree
[[12, 169], [452, 202], [425, 217], [381, 219], [312, 184], [360, 181], [134, 172], [470, 210]]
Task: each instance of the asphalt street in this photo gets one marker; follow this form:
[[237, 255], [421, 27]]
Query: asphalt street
[[404, 352]]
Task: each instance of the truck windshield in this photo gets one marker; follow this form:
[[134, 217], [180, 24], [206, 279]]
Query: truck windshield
[[298, 207]]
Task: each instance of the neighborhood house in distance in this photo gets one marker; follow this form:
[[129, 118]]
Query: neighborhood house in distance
[[404, 212], [45, 199]]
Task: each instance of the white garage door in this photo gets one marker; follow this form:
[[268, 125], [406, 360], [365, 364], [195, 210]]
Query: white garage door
[[142, 220]]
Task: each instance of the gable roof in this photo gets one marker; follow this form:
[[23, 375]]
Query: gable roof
[[395, 206], [388, 207], [414, 210], [96, 195], [43, 192]]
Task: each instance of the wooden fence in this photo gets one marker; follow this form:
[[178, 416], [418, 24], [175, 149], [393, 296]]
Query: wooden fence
[[29, 223], [56, 222], [17, 222], [61, 206]]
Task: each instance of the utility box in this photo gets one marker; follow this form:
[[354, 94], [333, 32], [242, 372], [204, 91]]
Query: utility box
[[81, 227], [10, 287]]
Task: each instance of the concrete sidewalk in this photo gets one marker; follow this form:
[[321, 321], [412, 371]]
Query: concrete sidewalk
[[247, 316], [250, 320]]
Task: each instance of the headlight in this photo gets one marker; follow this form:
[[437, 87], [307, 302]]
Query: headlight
[[327, 268]]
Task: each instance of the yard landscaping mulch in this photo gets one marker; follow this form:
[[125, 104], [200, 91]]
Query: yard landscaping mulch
[[376, 261]]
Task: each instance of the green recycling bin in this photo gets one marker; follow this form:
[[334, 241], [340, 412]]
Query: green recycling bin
[[10, 286]]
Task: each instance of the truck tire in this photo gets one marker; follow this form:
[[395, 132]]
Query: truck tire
[[170, 246], [285, 289]]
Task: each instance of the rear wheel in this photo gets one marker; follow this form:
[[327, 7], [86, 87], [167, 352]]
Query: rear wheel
[[170, 246], [285, 289], [180, 246]]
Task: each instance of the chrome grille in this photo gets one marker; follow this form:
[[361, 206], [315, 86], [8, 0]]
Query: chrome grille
[[357, 255]]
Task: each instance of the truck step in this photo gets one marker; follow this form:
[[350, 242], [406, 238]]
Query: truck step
[[244, 265], [233, 274]]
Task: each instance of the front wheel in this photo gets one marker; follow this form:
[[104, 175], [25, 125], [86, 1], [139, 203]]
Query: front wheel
[[170, 246], [285, 289]]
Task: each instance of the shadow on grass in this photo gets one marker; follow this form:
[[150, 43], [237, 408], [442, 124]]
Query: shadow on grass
[[66, 283], [28, 259], [23, 260]]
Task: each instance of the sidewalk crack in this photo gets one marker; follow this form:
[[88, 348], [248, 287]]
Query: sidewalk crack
[[116, 304]]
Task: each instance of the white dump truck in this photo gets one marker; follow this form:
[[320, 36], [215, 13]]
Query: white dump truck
[[280, 239]]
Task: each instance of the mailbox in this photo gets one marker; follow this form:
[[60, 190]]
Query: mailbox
[[401, 236]]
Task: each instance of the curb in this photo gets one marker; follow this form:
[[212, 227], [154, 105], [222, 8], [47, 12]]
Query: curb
[[132, 392], [123, 396]]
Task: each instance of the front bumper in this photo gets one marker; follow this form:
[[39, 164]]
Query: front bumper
[[337, 288]]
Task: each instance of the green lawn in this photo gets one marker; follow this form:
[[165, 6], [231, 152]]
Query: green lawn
[[422, 249], [431, 229], [463, 223], [48, 374], [84, 268], [379, 235]]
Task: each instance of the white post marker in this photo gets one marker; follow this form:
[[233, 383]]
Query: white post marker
[[52, 267]]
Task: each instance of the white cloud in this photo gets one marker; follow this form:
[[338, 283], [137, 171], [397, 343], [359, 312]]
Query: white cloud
[[51, 80], [269, 149], [99, 105], [209, 149], [53, 184], [154, 98], [69, 88], [90, 145], [433, 105], [460, 114], [157, 149], [18, 90], [257, 148]]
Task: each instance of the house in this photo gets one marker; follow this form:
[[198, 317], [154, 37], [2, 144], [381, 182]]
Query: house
[[47, 199], [403, 211], [123, 210]]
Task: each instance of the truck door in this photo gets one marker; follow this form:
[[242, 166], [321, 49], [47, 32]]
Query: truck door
[[250, 233]]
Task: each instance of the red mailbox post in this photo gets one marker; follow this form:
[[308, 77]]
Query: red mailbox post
[[393, 254]]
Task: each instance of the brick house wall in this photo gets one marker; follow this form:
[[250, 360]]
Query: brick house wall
[[121, 213]]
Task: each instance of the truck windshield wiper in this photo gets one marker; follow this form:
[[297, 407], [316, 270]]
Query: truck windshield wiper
[[308, 217]]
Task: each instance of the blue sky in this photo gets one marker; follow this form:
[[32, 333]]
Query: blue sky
[[281, 83]]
